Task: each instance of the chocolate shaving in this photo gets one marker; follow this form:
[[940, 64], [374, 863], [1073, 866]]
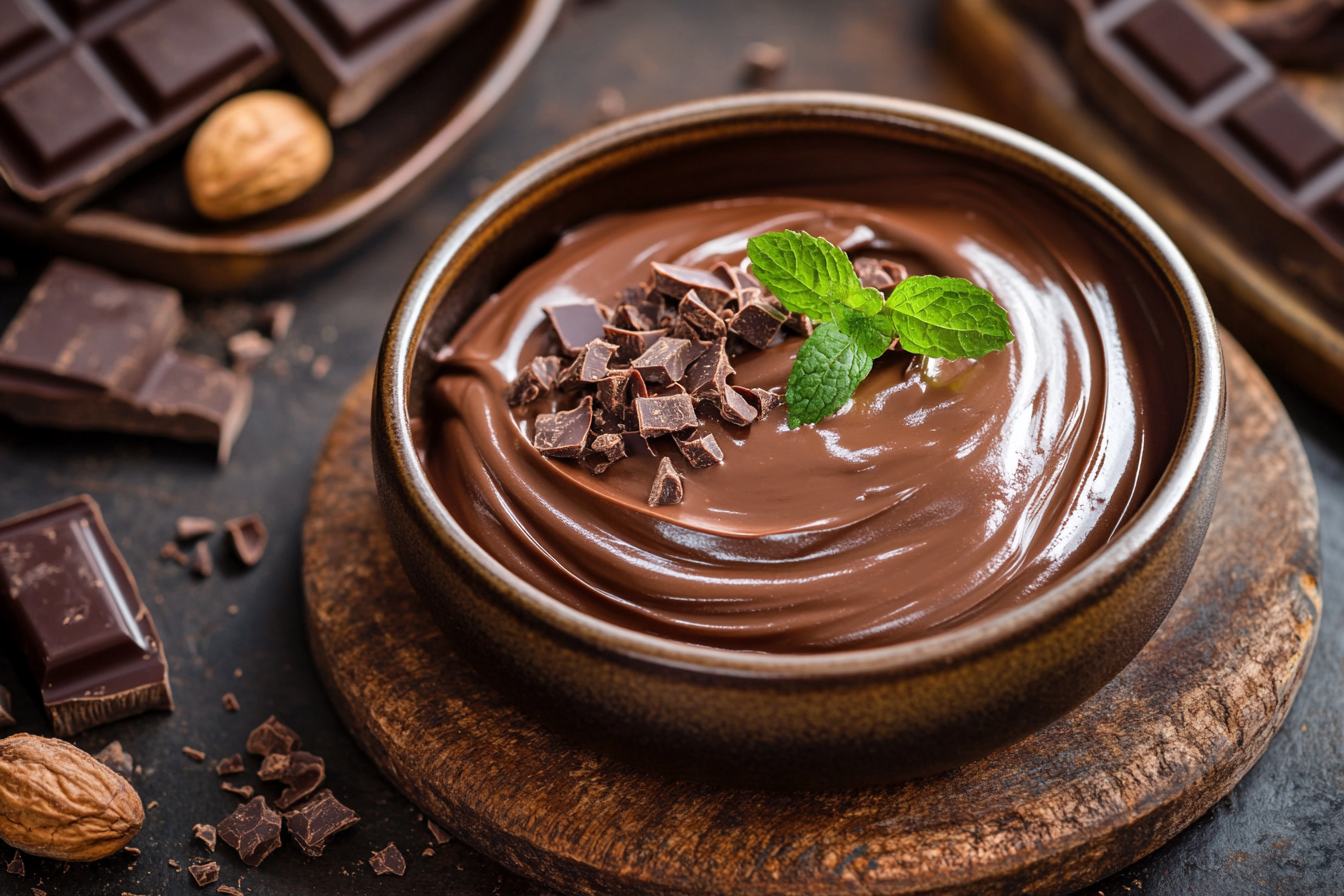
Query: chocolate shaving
[[757, 323], [564, 433], [204, 875], [576, 324], [317, 820], [272, 737], [535, 380], [230, 766], [665, 362], [201, 562], [253, 829], [248, 536], [667, 486], [665, 415], [704, 321], [206, 834], [388, 860], [193, 527], [700, 450], [230, 891], [7, 712], [245, 791]]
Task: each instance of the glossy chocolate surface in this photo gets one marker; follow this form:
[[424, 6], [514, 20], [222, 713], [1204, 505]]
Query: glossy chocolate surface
[[944, 493]]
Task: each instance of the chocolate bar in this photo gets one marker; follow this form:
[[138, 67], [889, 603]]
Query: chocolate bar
[[72, 603], [89, 350], [88, 89], [347, 54], [1211, 108]]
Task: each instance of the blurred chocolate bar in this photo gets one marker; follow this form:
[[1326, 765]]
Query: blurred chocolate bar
[[89, 350], [90, 88], [72, 604]]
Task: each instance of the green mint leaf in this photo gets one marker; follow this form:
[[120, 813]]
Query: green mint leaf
[[947, 317], [866, 300], [807, 274], [872, 334], [829, 367]]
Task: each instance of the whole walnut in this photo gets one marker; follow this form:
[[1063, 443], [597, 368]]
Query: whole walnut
[[256, 152], [59, 802]]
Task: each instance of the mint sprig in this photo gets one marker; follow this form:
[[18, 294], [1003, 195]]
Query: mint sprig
[[943, 317]]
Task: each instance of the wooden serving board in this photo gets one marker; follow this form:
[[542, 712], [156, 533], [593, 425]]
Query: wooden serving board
[[1088, 795]]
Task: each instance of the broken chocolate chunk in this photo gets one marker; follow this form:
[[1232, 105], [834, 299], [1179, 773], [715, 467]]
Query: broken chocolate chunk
[[272, 737], [606, 450], [15, 865], [576, 324], [667, 486], [764, 401], [613, 393], [564, 433], [253, 829], [872, 273], [245, 791], [248, 348], [628, 317], [206, 834], [439, 834], [534, 381], [248, 536], [665, 362], [630, 344], [388, 860], [596, 356], [273, 767], [700, 450], [201, 562], [7, 711], [895, 270], [194, 754], [193, 527], [800, 324], [171, 551], [230, 766], [204, 875], [674, 281], [303, 774], [665, 415], [317, 820], [706, 323], [274, 319], [707, 378], [230, 703], [637, 446], [757, 323], [734, 407]]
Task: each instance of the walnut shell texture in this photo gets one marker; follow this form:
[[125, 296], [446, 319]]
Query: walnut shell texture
[[256, 152], [59, 802]]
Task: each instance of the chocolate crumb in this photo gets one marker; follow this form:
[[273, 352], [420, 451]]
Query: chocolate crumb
[[204, 875], [665, 415], [245, 791], [171, 551], [667, 486], [37, 892], [253, 829], [274, 319], [700, 451], [564, 433], [763, 64], [248, 348], [206, 834], [248, 536], [174, 864], [576, 324], [230, 766], [152, 804], [193, 754], [193, 527], [428, 853], [201, 562], [313, 823], [6, 708], [226, 890], [609, 447], [610, 104], [15, 865], [133, 850], [439, 834], [271, 736], [388, 860], [230, 703]]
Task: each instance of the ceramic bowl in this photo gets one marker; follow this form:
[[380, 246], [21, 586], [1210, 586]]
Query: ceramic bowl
[[841, 719]]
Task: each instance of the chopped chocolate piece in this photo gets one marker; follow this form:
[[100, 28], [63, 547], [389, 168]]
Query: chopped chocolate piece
[[674, 389], [133, 850], [388, 860], [248, 348], [570, 378], [757, 323], [800, 324], [317, 820], [708, 376], [636, 445], [248, 536], [230, 891], [604, 422], [576, 324], [193, 527], [628, 317], [245, 791], [613, 393], [171, 551], [201, 562], [230, 766], [271, 737], [89, 350], [596, 356], [872, 273], [701, 450], [763, 63], [706, 323], [274, 319], [667, 486], [253, 829], [763, 400], [895, 270], [564, 433], [674, 281], [15, 865], [439, 834], [303, 774], [665, 362], [639, 388], [535, 380], [606, 450], [67, 594], [734, 407], [204, 875], [662, 416], [739, 278], [630, 344], [7, 710], [230, 703], [206, 834], [194, 754], [274, 767]]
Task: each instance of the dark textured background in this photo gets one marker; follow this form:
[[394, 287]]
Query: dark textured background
[[1281, 830]]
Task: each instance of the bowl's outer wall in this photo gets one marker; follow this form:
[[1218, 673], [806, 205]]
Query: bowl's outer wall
[[719, 724]]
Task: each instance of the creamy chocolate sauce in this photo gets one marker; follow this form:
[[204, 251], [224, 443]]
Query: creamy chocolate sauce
[[945, 491]]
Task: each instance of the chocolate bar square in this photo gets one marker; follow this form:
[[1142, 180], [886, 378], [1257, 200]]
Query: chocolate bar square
[[1181, 50], [62, 108], [1284, 135], [20, 27]]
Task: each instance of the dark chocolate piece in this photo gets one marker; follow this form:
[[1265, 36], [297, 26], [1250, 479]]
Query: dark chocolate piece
[[274, 319], [762, 64], [72, 602], [637, 446], [253, 829], [15, 865], [84, 101], [895, 270], [1189, 58], [192, 527], [271, 737], [763, 400], [734, 407], [800, 324], [596, 356], [245, 791], [7, 711], [705, 322], [569, 379], [630, 344], [674, 281], [205, 874], [206, 834], [649, 303], [303, 774], [708, 376], [665, 362], [317, 820], [171, 551], [1284, 134], [388, 860], [667, 485], [663, 416], [535, 380], [439, 834], [230, 703], [628, 317], [613, 393], [231, 766], [700, 450], [273, 767], [248, 536], [194, 754], [576, 324], [758, 323], [202, 564], [89, 350], [606, 450], [564, 433], [872, 273], [230, 891]]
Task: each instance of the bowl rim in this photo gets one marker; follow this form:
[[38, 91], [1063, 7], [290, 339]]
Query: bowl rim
[[479, 222]]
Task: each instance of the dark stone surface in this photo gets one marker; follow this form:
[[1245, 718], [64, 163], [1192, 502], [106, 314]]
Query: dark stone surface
[[1281, 830]]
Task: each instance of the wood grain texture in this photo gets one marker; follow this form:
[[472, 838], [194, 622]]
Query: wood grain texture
[[1085, 797]]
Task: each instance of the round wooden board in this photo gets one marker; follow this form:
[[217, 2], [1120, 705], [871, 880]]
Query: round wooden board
[[1087, 796]]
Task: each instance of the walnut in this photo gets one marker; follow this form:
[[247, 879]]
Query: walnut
[[256, 152], [59, 802]]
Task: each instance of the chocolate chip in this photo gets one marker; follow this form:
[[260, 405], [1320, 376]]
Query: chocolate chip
[[700, 450], [667, 486], [757, 323], [535, 380], [665, 361], [201, 562], [192, 527], [674, 281], [248, 536], [564, 433], [230, 703], [230, 766], [734, 407], [630, 344], [253, 829], [662, 416], [313, 823], [272, 737], [388, 860], [596, 356], [193, 754], [245, 791], [117, 759], [704, 320], [206, 834], [576, 324], [204, 875]]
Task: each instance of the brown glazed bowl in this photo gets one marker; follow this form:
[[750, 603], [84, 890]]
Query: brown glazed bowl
[[841, 719]]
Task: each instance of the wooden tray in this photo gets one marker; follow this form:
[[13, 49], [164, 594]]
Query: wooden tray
[[1070, 805], [1020, 80], [145, 226]]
